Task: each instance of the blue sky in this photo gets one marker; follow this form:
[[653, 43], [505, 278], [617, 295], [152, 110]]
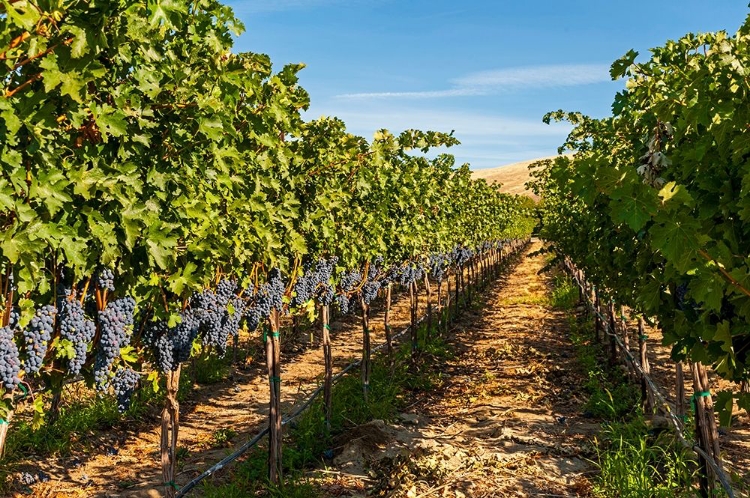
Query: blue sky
[[488, 70]]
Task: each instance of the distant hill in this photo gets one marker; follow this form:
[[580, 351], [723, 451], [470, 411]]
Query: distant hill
[[511, 176]]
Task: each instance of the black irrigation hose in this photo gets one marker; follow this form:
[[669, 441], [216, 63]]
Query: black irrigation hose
[[662, 401], [255, 440]]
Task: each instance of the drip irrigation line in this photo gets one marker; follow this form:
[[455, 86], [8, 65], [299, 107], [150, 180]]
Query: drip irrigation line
[[289, 418], [664, 404]]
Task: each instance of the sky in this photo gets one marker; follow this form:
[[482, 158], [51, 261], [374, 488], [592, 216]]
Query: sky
[[489, 70]]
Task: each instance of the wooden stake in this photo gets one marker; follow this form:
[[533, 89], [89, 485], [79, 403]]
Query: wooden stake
[[328, 360], [170, 427]]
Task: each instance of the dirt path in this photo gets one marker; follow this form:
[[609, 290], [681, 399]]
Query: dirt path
[[508, 421]]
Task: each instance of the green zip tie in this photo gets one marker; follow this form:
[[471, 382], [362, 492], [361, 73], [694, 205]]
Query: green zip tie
[[327, 326], [3, 421], [643, 337], [265, 334], [173, 485], [276, 335], [275, 380], [25, 391], [702, 394]]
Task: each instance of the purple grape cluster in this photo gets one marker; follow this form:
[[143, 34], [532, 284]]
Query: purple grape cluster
[[348, 282], [123, 384], [462, 255], [10, 363], [374, 281], [106, 280], [172, 346], [115, 323], [37, 336], [325, 292], [208, 308], [343, 302], [270, 295], [304, 288], [315, 283], [76, 328], [438, 264]]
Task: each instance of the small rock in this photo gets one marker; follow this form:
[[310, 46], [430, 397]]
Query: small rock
[[409, 418]]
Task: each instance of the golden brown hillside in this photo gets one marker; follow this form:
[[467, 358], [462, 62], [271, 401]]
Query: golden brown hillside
[[512, 176]]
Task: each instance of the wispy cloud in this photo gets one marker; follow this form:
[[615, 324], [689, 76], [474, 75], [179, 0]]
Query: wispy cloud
[[492, 82], [491, 128]]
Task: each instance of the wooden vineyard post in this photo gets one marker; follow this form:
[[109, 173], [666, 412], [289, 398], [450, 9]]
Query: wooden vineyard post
[[626, 342], [170, 427], [611, 334], [470, 282], [4, 426], [680, 388], [647, 396], [273, 364], [459, 286], [366, 367], [447, 310], [428, 288], [705, 427], [386, 321], [597, 315], [440, 304], [328, 361], [413, 317]]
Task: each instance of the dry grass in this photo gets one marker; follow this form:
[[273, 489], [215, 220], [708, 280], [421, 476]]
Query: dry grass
[[513, 177]]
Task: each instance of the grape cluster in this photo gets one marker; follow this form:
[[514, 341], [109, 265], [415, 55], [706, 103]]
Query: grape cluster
[[123, 384], [343, 302], [76, 328], [172, 346], [115, 323], [10, 363], [207, 306], [37, 336], [325, 292], [106, 280], [304, 287], [461, 255], [438, 264], [370, 291], [348, 283], [350, 280], [182, 337], [408, 274], [252, 317], [270, 296], [225, 291], [156, 335]]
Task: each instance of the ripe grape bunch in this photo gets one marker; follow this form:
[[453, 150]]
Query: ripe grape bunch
[[37, 336], [372, 286], [271, 295], [76, 328], [115, 322], [106, 280], [123, 384], [10, 363], [325, 292], [349, 282]]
